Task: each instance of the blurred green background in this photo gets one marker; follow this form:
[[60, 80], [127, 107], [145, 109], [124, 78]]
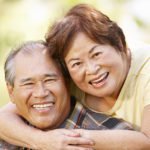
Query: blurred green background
[[22, 20]]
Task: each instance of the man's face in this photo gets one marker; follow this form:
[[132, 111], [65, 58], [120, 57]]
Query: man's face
[[39, 90]]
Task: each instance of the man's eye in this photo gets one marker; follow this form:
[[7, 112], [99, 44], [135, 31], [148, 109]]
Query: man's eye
[[49, 80], [30, 83]]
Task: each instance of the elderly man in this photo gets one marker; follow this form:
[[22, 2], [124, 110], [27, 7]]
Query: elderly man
[[37, 87]]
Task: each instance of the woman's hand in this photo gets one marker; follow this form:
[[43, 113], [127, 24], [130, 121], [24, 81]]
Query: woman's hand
[[63, 139]]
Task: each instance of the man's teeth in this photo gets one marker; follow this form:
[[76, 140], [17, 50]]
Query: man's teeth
[[43, 105]]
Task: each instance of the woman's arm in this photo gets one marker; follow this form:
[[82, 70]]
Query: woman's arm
[[16, 132], [118, 140], [122, 139], [12, 128]]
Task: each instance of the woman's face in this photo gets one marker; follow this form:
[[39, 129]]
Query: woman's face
[[96, 69]]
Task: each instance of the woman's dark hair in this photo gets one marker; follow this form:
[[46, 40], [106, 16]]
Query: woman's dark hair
[[84, 18]]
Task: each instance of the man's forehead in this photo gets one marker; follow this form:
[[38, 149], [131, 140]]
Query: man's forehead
[[35, 55], [33, 51], [37, 65], [38, 58]]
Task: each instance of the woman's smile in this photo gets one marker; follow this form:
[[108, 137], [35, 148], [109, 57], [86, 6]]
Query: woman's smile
[[100, 80]]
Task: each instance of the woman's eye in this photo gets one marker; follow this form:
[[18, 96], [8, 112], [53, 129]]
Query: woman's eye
[[96, 54], [76, 64]]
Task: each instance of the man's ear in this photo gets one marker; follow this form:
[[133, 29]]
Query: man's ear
[[10, 89]]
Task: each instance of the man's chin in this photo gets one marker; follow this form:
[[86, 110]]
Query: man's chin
[[45, 124]]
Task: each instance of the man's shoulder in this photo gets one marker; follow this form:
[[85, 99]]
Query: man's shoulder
[[85, 118]]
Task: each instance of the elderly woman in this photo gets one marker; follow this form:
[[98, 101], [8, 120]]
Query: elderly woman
[[112, 78], [93, 50]]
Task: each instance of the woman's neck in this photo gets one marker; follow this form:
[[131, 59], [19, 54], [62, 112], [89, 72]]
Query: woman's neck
[[99, 104]]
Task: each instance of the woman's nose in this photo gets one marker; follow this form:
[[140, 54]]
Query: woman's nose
[[92, 68]]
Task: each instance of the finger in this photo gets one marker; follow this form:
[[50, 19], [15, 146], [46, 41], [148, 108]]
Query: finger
[[80, 141], [71, 133], [71, 147]]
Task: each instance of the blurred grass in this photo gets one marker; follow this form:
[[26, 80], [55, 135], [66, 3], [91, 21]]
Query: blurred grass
[[4, 94], [22, 20]]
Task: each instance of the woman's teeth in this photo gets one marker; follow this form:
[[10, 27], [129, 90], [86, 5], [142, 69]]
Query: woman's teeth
[[100, 79]]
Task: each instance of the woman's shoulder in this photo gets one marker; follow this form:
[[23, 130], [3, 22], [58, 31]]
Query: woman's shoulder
[[140, 63]]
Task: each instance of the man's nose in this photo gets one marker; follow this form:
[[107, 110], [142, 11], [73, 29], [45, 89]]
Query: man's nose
[[92, 68], [40, 91]]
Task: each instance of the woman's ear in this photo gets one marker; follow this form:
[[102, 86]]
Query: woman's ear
[[10, 89], [129, 53], [129, 56]]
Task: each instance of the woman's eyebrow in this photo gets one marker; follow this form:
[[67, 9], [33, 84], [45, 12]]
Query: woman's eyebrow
[[93, 48], [72, 59]]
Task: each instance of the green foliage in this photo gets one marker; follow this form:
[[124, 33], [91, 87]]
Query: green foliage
[[28, 20], [121, 1]]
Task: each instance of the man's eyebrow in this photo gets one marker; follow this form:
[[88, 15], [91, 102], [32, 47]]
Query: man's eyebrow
[[25, 80], [51, 75], [46, 75], [93, 48]]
